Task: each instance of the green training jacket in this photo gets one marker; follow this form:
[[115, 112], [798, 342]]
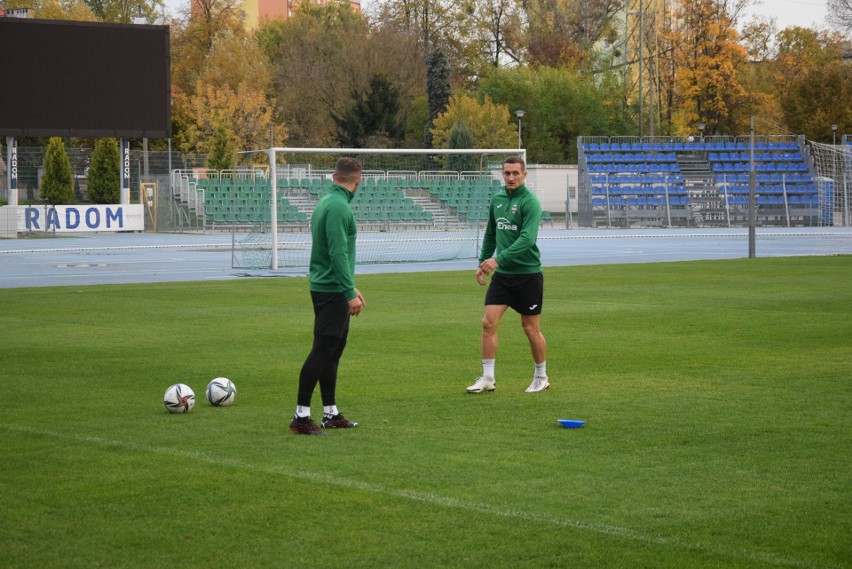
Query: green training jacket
[[333, 248], [512, 230]]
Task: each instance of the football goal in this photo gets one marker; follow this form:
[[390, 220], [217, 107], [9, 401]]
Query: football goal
[[414, 205], [833, 164]]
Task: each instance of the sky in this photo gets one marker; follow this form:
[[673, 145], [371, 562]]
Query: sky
[[805, 13]]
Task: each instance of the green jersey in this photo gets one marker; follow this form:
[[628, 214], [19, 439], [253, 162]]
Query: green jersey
[[333, 247], [512, 230]]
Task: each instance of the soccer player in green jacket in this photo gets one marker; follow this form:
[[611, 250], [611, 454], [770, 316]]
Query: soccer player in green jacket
[[517, 281], [334, 296]]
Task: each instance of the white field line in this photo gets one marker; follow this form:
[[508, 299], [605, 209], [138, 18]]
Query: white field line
[[366, 239], [427, 498]]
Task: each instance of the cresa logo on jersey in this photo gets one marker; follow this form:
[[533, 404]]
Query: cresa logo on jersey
[[503, 223]]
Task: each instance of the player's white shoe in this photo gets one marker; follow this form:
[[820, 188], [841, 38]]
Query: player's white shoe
[[539, 383], [482, 384]]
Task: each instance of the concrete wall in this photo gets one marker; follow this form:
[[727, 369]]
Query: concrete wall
[[550, 183]]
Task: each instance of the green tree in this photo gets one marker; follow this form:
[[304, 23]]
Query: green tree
[[427, 20], [325, 55], [560, 105], [437, 89], [461, 138], [488, 123], [563, 32], [819, 99], [221, 155], [244, 112], [374, 119], [812, 82], [57, 185], [125, 11], [193, 40], [55, 9], [105, 172], [475, 35]]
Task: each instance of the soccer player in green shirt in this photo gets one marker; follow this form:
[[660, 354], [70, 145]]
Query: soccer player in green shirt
[[517, 281], [334, 296]]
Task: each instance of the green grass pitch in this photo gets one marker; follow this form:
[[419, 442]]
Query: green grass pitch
[[716, 394]]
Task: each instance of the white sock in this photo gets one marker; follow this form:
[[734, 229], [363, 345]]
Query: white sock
[[329, 410], [302, 411], [488, 368], [541, 369]]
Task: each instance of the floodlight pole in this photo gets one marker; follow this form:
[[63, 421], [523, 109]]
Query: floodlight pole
[[520, 114], [752, 214]]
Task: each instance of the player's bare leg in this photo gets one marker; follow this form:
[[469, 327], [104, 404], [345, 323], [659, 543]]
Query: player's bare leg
[[538, 347], [490, 323]]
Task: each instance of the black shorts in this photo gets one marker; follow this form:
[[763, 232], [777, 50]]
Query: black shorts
[[331, 314], [523, 293]]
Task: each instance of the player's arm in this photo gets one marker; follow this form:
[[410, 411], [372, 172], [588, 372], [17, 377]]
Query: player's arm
[[489, 239], [336, 222], [357, 303], [489, 244]]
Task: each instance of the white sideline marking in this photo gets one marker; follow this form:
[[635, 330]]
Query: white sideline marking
[[120, 248], [427, 498], [432, 238]]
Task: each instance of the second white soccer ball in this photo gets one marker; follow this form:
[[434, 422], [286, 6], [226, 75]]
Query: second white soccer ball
[[221, 392]]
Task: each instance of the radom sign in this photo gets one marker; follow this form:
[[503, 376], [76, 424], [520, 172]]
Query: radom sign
[[77, 218]]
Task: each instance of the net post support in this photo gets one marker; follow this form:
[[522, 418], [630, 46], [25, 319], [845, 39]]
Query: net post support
[[273, 195], [752, 213]]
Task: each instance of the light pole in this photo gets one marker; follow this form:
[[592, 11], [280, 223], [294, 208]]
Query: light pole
[[641, 57], [834, 128], [627, 15], [520, 114], [640, 13], [701, 126]]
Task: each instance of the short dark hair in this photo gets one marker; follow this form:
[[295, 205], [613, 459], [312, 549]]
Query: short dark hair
[[347, 170], [516, 160]]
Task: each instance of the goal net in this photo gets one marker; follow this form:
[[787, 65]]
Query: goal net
[[413, 205], [833, 164]]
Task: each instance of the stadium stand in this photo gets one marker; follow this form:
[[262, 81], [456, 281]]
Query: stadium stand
[[412, 200], [670, 181]]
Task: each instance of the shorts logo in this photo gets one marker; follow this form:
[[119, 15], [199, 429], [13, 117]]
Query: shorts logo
[[503, 223]]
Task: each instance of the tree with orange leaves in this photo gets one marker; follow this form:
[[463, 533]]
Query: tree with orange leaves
[[707, 59]]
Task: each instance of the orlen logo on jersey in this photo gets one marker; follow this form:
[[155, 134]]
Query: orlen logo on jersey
[[503, 223]]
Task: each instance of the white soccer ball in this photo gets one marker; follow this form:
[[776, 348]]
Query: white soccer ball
[[221, 392], [179, 398]]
